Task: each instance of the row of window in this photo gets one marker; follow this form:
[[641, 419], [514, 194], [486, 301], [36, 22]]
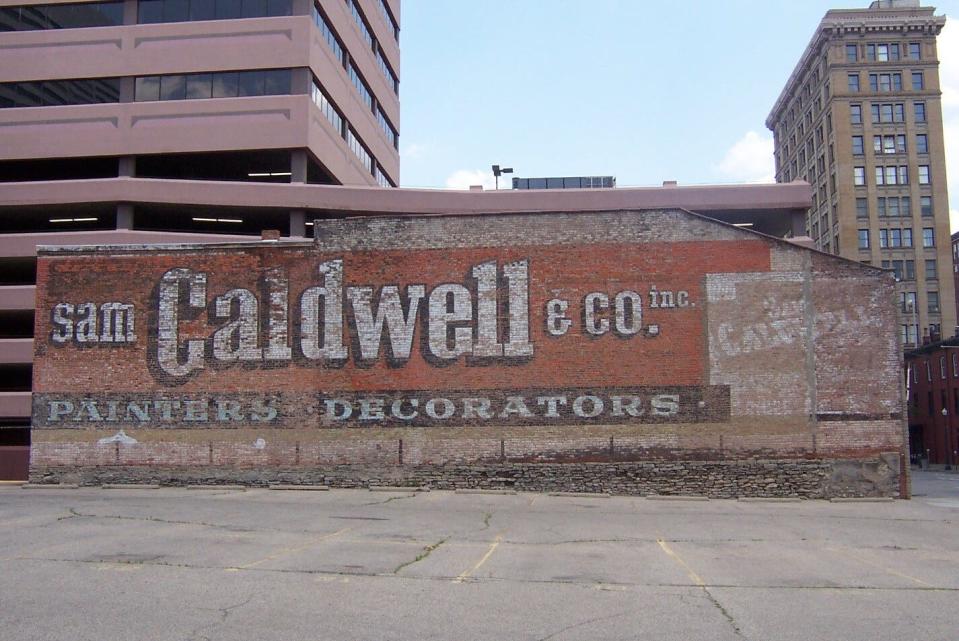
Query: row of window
[[336, 119], [897, 238], [61, 16], [894, 207], [373, 44], [886, 82], [49, 93], [907, 301], [155, 11], [883, 52], [220, 84], [891, 175], [888, 112], [905, 270], [890, 144], [362, 88]]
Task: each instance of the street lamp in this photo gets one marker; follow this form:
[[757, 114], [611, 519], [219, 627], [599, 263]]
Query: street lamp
[[497, 171], [948, 439]]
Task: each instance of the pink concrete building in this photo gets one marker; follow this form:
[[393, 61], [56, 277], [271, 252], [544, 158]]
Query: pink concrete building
[[143, 121]]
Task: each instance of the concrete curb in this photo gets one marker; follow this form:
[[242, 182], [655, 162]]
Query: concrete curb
[[397, 488], [770, 499], [675, 497], [467, 490], [581, 495], [241, 488], [862, 499], [130, 486], [12, 483], [306, 488], [50, 486]]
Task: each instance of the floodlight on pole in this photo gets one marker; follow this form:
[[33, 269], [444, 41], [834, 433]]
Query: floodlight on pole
[[498, 171]]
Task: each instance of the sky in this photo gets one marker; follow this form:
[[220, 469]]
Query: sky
[[642, 90]]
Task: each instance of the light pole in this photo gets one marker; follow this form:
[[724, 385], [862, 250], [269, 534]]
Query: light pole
[[497, 171], [948, 441]]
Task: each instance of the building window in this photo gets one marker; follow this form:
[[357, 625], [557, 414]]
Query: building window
[[920, 111], [857, 149], [61, 16], [932, 298], [359, 149], [908, 333], [361, 87], [331, 40], [859, 175], [923, 174], [52, 93], [922, 144], [390, 20], [852, 81], [955, 368], [928, 237], [931, 273], [942, 369], [852, 53], [881, 207], [914, 51], [331, 113], [387, 128], [929, 379], [862, 208], [222, 84], [387, 72], [863, 239], [893, 207], [153, 11], [907, 239], [917, 83], [855, 115], [905, 206], [360, 21], [925, 206]]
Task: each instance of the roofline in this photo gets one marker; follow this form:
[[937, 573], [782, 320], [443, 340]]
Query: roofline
[[379, 201], [838, 18]]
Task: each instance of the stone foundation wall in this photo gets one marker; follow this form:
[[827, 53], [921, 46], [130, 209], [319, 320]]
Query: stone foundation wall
[[809, 479]]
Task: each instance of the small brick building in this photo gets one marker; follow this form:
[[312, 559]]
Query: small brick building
[[652, 351], [932, 379]]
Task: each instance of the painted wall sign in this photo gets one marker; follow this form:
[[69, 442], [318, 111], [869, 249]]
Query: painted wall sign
[[281, 335]]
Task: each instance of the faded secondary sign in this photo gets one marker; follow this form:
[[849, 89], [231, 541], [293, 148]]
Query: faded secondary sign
[[288, 336]]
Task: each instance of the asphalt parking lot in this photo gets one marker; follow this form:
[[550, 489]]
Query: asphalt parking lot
[[176, 564]]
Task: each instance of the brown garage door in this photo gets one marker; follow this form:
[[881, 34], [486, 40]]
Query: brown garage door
[[14, 453]]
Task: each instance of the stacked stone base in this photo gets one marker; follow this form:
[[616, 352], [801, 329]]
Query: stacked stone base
[[809, 479]]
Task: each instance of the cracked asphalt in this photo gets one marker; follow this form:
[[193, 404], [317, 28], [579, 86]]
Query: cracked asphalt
[[219, 565]]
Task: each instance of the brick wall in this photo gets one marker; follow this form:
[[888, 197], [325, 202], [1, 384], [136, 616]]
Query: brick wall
[[548, 346]]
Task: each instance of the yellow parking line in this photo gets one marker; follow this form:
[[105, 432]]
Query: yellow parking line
[[492, 548], [289, 550], [692, 575], [856, 557]]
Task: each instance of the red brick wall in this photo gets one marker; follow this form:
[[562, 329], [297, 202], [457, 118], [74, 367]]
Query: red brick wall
[[761, 357]]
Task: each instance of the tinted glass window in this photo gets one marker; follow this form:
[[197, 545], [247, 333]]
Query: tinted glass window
[[251, 83], [176, 10], [150, 11], [147, 88], [226, 9], [225, 84], [276, 82], [172, 87], [202, 9], [61, 16], [59, 92], [199, 85], [279, 8], [253, 8]]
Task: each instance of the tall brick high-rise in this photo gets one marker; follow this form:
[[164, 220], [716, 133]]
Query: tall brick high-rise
[[860, 118]]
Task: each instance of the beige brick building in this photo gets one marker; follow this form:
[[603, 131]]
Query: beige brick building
[[860, 118]]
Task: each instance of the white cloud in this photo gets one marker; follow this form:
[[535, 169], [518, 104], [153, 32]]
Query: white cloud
[[948, 47], [466, 178], [750, 159]]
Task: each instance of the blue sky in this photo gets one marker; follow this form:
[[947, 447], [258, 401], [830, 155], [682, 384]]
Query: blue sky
[[644, 91]]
